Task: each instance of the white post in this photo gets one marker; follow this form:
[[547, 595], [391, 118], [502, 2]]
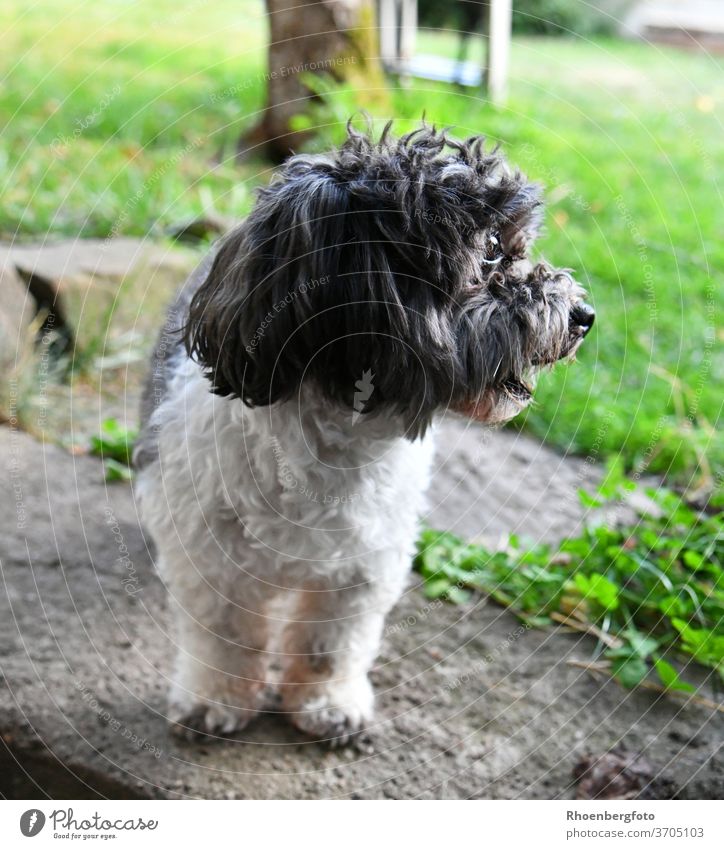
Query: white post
[[388, 33], [500, 18], [408, 30]]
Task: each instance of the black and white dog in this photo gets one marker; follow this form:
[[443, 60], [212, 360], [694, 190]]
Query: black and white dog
[[288, 422]]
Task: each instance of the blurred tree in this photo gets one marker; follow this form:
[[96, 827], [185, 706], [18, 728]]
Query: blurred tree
[[337, 38]]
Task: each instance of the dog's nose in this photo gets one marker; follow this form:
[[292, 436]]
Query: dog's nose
[[583, 316]]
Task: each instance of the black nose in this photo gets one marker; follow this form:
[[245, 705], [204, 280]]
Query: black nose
[[583, 316]]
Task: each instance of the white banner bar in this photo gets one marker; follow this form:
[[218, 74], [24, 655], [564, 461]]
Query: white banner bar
[[364, 825]]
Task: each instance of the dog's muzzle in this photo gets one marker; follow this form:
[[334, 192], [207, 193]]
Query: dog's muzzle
[[506, 400], [581, 318], [580, 321]]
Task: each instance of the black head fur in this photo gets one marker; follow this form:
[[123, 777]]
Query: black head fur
[[404, 258]]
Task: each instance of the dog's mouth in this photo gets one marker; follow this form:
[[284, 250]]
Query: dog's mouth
[[505, 400], [519, 391], [570, 352], [567, 352], [500, 403]]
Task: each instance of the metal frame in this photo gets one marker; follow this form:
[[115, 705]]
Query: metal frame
[[398, 30]]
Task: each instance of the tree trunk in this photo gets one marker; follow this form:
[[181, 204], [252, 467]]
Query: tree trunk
[[333, 37]]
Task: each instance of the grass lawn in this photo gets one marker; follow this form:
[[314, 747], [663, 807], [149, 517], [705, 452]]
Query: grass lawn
[[122, 118]]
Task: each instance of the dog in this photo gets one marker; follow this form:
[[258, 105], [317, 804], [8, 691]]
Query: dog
[[288, 420]]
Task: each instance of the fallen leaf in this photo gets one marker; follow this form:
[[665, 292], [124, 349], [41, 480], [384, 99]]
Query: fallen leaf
[[620, 774]]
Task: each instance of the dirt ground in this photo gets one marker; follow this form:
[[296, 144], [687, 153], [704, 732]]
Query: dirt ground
[[470, 704]]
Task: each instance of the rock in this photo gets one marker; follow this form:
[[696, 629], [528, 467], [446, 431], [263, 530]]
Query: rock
[[204, 227], [82, 712], [500, 482], [83, 281], [55, 261], [17, 308]]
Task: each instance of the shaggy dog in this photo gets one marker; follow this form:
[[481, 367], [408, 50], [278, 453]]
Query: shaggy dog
[[288, 422]]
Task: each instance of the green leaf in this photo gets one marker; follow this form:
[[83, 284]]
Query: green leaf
[[669, 677], [614, 480], [588, 500], [642, 645], [693, 559], [630, 671], [598, 587], [672, 605], [457, 595], [639, 584], [701, 643], [437, 588], [115, 471], [114, 442]]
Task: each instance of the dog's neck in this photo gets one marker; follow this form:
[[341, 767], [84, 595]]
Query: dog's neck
[[308, 424], [309, 456]]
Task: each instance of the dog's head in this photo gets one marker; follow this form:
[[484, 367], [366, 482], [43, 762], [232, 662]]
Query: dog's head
[[394, 276]]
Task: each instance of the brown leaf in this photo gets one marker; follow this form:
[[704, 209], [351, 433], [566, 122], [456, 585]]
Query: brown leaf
[[619, 774]]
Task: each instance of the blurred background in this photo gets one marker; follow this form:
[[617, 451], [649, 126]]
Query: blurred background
[[148, 120]]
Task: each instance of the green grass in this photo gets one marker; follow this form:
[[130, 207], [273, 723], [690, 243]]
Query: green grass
[[651, 594], [118, 119], [114, 444]]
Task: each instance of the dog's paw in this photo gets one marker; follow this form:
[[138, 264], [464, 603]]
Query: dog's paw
[[204, 721], [333, 713]]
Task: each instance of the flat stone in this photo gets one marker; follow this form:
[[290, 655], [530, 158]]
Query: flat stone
[[490, 484], [55, 261], [17, 308], [82, 281], [208, 225], [85, 649]]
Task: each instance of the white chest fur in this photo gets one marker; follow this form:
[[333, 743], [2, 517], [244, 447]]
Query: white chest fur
[[297, 482]]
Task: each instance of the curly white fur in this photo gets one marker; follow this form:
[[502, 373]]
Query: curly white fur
[[285, 535]]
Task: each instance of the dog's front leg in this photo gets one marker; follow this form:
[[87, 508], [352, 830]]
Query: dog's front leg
[[221, 661], [329, 650]]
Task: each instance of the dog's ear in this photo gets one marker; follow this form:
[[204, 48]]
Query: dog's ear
[[249, 322], [521, 215]]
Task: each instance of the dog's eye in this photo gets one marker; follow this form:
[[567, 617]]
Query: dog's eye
[[493, 250]]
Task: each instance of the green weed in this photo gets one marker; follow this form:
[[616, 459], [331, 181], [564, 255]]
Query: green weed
[[647, 592]]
